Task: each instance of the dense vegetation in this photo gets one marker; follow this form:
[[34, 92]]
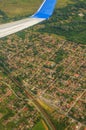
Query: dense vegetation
[[69, 21]]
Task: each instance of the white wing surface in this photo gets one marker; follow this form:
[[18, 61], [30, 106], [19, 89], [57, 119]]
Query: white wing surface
[[43, 13]]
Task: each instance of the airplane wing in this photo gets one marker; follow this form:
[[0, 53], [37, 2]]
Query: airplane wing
[[43, 13]]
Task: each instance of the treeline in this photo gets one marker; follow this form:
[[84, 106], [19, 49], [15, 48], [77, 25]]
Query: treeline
[[69, 21], [5, 18]]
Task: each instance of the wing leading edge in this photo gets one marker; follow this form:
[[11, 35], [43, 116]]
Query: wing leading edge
[[43, 13]]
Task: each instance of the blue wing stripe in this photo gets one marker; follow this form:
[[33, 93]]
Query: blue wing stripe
[[43, 13], [46, 9]]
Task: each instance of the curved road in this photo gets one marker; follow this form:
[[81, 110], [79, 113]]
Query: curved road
[[29, 95]]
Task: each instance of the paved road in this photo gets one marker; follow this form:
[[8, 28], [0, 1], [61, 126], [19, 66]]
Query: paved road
[[29, 95]]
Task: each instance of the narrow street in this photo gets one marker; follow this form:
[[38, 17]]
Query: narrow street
[[30, 96]]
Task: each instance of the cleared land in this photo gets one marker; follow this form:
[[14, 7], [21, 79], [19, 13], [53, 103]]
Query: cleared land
[[22, 8], [14, 8], [39, 126], [69, 19], [49, 60]]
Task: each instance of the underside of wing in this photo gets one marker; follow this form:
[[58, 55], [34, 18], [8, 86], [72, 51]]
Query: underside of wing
[[10, 28], [43, 13]]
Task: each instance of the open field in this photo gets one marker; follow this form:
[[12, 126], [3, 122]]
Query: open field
[[39, 126], [68, 19], [49, 60], [20, 8]]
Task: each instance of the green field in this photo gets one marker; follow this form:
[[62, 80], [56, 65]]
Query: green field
[[14, 8], [39, 42], [39, 126], [69, 19]]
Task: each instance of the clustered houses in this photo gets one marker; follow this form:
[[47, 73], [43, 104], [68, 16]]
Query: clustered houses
[[51, 68], [15, 112]]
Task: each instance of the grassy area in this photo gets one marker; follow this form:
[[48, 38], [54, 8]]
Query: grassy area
[[63, 3], [22, 7], [45, 106], [68, 21], [39, 126], [14, 8]]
